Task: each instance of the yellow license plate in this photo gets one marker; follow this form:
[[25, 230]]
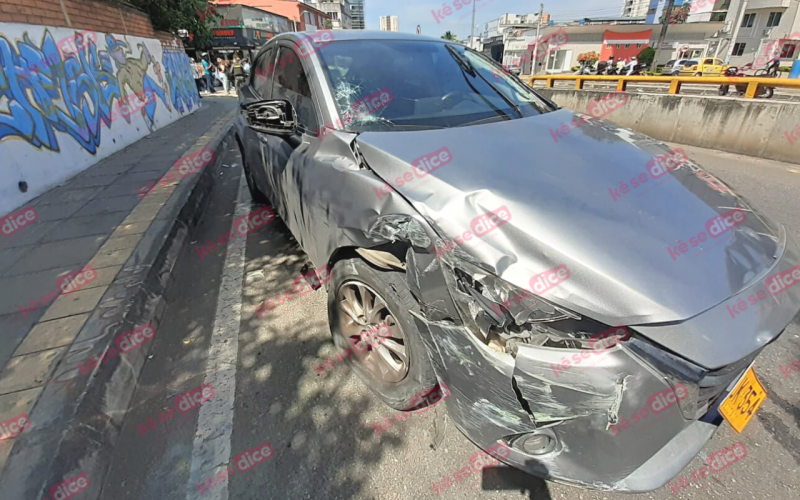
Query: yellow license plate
[[743, 401]]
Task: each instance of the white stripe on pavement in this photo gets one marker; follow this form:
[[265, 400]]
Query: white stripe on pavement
[[212, 440]]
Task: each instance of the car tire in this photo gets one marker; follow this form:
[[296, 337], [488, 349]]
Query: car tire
[[698, 74], [394, 388], [255, 193]]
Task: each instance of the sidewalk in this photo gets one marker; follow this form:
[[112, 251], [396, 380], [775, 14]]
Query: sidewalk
[[84, 280]]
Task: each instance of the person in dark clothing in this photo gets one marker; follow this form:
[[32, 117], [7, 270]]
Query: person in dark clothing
[[237, 73]]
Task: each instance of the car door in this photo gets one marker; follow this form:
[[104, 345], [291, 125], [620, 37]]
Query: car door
[[289, 157], [259, 88], [708, 67]]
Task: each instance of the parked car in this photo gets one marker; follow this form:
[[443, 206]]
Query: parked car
[[673, 67], [709, 66], [583, 333]]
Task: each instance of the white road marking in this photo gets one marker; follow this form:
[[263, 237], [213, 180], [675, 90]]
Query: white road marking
[[212, 440]]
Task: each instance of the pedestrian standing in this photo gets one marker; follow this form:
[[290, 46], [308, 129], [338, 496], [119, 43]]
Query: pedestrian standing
[[207, 72], [222, 75], [197, 75], [237, 73], [246, 66]]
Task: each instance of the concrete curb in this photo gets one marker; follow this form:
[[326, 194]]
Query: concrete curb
[[77, 419]]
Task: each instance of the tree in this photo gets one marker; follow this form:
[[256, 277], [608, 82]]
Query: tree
[[194, 16], [449, 36], [646, 56], [679, 14], [589, 57], [328, 24]]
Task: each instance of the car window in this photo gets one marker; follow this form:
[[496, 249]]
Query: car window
[[690, 63], [670, 63], [261, 78], [290, 83], [718, 62], [394, 84], [708, 61]]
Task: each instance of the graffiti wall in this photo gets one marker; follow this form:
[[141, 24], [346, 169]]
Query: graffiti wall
[[71, 98]]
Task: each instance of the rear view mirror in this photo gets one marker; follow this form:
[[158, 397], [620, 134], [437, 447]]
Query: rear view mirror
[[271, 117]]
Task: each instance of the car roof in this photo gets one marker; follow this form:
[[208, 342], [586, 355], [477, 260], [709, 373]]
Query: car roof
[[346, 35]]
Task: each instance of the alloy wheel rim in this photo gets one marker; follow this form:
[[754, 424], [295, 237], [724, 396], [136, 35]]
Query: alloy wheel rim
[[362, 313]]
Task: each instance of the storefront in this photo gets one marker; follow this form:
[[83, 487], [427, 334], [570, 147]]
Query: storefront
[[245, 42], [243, 30]]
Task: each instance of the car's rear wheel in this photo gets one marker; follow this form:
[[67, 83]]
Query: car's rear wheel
[[394, 365], [698, 74]]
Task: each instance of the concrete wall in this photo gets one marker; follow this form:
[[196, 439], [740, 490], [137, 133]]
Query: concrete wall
[[753, 127], [67, 101]]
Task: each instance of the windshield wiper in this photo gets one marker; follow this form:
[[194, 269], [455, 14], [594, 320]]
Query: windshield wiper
[[486, 120], [467, 67], [461, 60]]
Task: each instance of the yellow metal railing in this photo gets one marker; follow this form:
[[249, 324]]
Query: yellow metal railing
[[674, 82]]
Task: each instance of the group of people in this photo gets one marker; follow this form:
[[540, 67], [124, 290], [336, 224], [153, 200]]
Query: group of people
[[231, 74]]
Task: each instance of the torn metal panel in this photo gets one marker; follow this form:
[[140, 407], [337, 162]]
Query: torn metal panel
[[310, 180]]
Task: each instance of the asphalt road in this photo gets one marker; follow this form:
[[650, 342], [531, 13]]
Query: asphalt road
[[266, 387]]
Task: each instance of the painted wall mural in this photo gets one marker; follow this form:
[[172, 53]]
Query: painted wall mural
[[71, 98]]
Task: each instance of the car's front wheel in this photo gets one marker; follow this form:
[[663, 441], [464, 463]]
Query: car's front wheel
[[370, 319], [255, 192]]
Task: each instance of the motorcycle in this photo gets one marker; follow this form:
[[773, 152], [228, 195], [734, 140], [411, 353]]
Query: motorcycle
[[585, 69], [734, 72], [634, 70]]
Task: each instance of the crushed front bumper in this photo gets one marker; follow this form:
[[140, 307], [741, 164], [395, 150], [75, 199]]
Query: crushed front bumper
[[492, 393]]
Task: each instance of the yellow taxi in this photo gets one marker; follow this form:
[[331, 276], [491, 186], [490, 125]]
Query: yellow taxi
[[709, 66]]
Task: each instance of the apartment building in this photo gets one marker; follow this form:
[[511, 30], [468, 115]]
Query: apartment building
[[357, 14], [768, 28], [389, 23], [339, 12]]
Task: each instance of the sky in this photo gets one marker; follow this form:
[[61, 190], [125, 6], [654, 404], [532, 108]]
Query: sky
[[411, 13]]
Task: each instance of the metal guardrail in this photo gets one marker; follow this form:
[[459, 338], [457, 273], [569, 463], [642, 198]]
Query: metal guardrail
[[674, 82]]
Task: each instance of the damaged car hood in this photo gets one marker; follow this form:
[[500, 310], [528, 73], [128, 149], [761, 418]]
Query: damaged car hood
[[583, 194]]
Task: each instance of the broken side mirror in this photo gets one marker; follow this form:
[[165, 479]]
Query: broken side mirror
[[276, 117]]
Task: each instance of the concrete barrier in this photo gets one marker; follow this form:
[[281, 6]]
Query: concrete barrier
[[753, 127]]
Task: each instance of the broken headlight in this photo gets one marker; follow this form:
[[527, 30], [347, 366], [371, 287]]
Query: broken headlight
[[501, 314]]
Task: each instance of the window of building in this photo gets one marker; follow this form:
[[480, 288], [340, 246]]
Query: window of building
[[608, 45], [307, 18], [738, 49], [774, 19], [619, 46], [290, 83], [788, 50], [639, 45], [748, 20], [627, 45]]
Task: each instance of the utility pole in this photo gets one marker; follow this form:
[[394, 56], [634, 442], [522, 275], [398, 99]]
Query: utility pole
[[735, 34], [667, 15], [473, 20], [536, 43]]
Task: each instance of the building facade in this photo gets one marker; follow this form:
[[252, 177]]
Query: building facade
[[357, 14], [768, 28], [304, 17], [338, 11], [389, 23], [635, 8]]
